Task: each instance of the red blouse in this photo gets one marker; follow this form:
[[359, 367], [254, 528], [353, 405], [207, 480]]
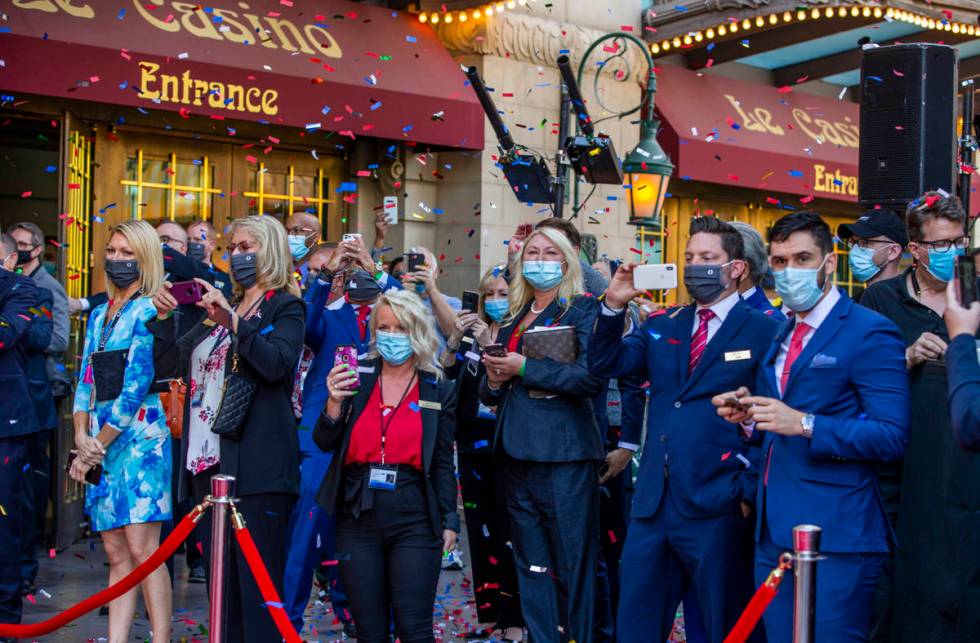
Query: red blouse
[[403, 439]]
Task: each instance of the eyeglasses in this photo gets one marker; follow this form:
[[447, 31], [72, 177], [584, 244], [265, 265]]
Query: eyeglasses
[[864, 243], [300, 230], [25, 246], [960, 243], [170, 241]]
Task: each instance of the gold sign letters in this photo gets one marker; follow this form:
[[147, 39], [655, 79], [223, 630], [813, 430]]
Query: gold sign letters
[[184, 90]]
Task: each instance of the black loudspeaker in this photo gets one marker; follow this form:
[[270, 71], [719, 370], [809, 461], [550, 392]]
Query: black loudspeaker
[[908, 123]]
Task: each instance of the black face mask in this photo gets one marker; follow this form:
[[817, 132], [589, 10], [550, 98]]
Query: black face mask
[[195, 251], [244, 269], [705, 282], [122, 272], [24, 257], [361, 287]]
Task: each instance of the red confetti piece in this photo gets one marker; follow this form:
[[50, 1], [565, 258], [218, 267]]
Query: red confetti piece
[[25, 195], [725, 455], [807, 198]]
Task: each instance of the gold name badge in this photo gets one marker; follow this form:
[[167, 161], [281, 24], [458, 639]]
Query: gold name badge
[[426, 404], [733, 356]]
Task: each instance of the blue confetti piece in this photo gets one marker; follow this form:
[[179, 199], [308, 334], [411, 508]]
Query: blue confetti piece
[[121, 14], [796, 174], [4, 29], [480, 444], [272, 604], [51, 169], [874, 78], [414, 407], [564, 51], [347, 186], [411, 39], [375, 106], [654, 335], [681, 8], [407, 128], [266, 330], [711, 46], [142, 111]]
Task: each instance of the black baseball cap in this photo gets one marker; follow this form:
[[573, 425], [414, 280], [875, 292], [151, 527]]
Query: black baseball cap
[[876, 223]]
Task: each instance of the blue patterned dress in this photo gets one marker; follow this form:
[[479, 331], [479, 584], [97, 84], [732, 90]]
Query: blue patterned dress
[[135, 486]]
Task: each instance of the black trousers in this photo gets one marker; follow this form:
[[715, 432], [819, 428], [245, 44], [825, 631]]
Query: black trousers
[[267, 516], [492, 561], [554, 519], [14, 519], [613, 519], [390, 563]]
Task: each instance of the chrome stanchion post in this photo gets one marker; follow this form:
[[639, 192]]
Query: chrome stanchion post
[[806, 549], [222, 490]]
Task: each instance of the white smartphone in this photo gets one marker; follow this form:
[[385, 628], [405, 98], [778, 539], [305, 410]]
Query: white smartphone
[[351, 236], [391, 209], [656, 276]]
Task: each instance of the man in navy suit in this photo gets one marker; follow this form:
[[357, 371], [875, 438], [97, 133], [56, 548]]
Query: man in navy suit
[[831, 401], [751, 286], [688, 524]]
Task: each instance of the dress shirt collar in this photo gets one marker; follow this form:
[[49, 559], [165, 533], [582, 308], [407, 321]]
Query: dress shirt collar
[[818, 313], [721, 308], [748, 293]]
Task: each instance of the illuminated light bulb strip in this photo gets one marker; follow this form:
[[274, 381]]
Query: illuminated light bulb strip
[[746, 25], [487, 10]]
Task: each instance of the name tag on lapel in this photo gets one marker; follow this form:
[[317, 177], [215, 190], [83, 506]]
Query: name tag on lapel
[[734, 356], [433, 406]]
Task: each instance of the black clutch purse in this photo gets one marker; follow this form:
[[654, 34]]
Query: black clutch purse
[[108, 368], [236, 401]]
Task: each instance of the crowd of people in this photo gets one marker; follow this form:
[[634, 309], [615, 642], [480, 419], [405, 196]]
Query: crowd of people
[[354, 402]]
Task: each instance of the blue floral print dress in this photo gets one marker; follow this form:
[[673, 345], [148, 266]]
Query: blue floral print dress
[[135, 486]]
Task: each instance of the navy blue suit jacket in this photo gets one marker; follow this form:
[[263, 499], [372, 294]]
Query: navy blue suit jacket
[[851, 375], [17, 296], [759, 301], [964, 390], [562, 428], [707, 476], [34, 346]]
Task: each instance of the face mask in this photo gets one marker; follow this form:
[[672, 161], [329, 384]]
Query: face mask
[[705, 282], [395, 348], [799, 288], [862, 263], [496, 308], [297, 246], [542, 275], [24, 257], [195, 251], [942, 263], [244, 269], [361, 287], [122, 272]]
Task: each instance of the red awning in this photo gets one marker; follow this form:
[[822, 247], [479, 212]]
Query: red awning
[[334, 65], [731, 132]]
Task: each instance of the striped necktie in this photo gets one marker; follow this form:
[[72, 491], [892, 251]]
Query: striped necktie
[[700, 339]]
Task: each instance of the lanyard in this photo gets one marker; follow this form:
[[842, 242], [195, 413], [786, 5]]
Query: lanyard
[[110, 324], [394, 409]]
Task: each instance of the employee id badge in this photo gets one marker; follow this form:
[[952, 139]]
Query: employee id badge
[[383, 477]]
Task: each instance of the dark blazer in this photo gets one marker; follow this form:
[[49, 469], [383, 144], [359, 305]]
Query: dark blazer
[[759, 301], [711, 469], [34, 346], [852, 377], [437, 446], [266, 459], [964, 390], [558, 429], [17, 296]]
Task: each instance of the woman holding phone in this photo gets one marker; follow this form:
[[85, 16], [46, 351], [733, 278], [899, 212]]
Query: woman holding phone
[[481, 483], [258, 338], [120, 426], [548, 440], [391, 483]]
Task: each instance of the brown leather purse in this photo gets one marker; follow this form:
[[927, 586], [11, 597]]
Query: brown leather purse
[[173, 406]]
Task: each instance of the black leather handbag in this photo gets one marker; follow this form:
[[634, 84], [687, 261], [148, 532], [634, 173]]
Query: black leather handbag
[[236, 401]]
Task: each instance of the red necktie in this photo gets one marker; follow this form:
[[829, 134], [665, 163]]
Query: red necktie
[[700, 339], [795, 348], [363, 312]]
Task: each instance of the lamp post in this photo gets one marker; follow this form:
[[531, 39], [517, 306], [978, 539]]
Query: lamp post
[[647, 167]]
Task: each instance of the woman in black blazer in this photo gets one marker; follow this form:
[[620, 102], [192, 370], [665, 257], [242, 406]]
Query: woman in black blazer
[[267, 325], [391, 482], [549, 443]]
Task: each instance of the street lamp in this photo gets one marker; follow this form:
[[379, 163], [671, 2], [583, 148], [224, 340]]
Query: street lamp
[[647, 167]]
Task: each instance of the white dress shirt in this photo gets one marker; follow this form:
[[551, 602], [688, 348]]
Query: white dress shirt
[[748, 293], [720, 309], [814, 318]]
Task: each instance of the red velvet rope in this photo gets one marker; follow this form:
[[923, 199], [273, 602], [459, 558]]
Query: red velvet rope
[[262, 579], [166, 550], [753, 612]]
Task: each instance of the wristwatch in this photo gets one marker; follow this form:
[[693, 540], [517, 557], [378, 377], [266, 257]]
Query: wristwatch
[[807, 423]]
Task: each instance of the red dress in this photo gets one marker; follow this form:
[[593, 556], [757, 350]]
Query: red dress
[[403, 439]]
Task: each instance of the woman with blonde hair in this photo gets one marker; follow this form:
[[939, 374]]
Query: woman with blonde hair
[[120, 427], [391, 484], [548, 441], [258, 338]]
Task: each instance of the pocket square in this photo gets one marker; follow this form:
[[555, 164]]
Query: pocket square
[[823, 361]]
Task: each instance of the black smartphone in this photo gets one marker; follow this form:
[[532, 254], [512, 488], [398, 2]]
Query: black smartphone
[[187, 292], [495, 350], [471, 300], [94, 475], [414, 261], [966, 272]]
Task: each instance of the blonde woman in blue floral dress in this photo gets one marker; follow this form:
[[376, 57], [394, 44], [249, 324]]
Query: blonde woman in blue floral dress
[[127, 434]]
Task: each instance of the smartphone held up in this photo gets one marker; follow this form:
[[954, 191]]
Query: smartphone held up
[[657, 276]]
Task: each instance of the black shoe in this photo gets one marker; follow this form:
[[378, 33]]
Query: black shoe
[[350, 630], [27, 587], [197, 575]]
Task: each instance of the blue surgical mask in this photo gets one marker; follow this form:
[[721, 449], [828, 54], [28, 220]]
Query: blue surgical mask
[[862, 263], [942, 263], [496, 308], [542, 275], [297, 246], [799, 288], [395, 348]]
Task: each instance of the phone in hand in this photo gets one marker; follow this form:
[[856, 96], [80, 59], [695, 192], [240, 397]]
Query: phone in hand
[[351, 237], [94, 475], [966, 273], [495, 350], [415, 261], [656, 276], [347, 354], [187, 292], [471, 300], [524, 229]]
